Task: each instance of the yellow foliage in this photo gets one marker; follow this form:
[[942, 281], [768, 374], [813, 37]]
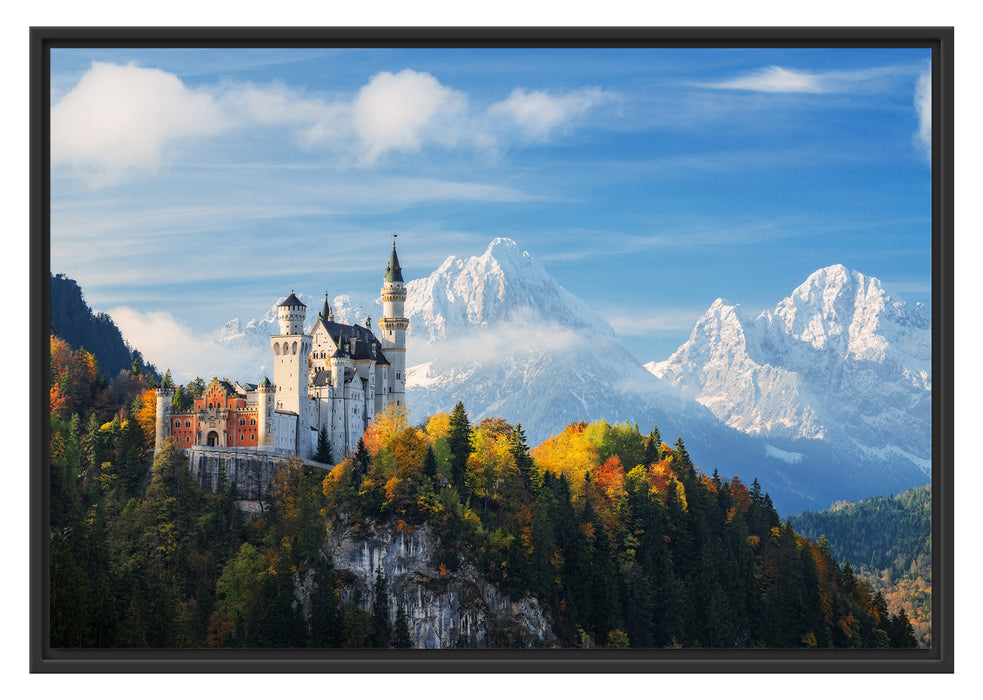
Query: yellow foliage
[[387, 424], [570, 453], [438, 426]]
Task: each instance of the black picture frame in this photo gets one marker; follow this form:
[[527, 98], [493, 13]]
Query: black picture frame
[[937, 659]]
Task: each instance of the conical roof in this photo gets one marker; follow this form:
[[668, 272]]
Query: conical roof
[[393, 272], [292, 300], [326, 310]]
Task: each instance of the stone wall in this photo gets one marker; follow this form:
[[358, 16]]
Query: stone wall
[[251, 471]]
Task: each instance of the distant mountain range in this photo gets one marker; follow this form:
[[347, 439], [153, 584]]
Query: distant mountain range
[[826, 398], [839, 360]]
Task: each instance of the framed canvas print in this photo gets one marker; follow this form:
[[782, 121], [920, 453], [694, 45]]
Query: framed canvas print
[[441, 350]]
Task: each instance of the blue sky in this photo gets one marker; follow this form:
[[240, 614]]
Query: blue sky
[[193, 186]]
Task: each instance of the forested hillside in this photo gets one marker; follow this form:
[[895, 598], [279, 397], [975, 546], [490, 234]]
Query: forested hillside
[[73, 321], [888, 541], [620, 538]]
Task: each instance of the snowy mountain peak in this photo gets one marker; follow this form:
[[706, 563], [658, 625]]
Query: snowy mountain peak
[[838, 357], [503, 285]]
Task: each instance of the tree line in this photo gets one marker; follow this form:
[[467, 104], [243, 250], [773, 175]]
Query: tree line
[[620, 537]]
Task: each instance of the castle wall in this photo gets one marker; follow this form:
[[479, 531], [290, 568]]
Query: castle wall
[[217, 469]]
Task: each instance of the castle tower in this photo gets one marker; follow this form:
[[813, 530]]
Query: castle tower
[[265, 396], [290, 351], [393, 325], [165, 396]]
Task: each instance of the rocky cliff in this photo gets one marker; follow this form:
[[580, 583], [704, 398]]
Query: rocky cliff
[[445, 610]]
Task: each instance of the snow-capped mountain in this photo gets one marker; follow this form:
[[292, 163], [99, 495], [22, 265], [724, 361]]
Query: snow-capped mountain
[[249, 343], [817, 400], [838, 360], [497, 332]]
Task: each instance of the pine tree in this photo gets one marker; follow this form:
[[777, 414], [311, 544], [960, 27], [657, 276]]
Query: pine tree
[[401, 635], [324, 448], [459, 441], [381, 631], [360, 463], [430, 464], [520, 453], [653, 447]]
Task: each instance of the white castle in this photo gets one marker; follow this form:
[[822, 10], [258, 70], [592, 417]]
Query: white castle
[[337, 377]]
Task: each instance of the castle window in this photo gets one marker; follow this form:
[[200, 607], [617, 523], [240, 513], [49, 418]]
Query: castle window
[[187, 424], [177, 424]]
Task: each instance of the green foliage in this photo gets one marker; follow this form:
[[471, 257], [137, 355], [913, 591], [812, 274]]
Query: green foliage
[[459, 442], [888, 543], [621, 545], [324, 448]]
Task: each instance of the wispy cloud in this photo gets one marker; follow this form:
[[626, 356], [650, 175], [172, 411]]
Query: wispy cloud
[[537, 113], [777, 79], [772, 79]]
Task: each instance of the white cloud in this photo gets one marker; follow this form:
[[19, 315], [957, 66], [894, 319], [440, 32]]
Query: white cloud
[[923, 106], [774, 79], [167, 343], [122, 119], [118, 118], [401, 111], [537, 113]]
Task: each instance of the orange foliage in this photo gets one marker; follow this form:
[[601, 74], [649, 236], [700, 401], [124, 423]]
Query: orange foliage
[[659, 475], [608, 481], [74, 379], [146, 415]]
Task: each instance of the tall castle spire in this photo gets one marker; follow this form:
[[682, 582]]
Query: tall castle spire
[[393, 326]]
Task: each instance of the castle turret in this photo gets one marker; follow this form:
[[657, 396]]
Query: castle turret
[[291, 314], [290, 351], [265, 397], [165, 397], [393, 325]]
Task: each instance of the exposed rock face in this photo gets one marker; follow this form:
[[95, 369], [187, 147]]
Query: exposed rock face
[[459, 609]]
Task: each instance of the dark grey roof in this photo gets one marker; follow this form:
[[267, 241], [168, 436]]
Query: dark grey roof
[[322, 377], [393, 271], [350, 374], [292, 300], [380, 358]]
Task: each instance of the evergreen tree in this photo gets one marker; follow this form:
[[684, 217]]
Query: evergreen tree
[[520, 453], [459, 441], [901, 634], [324, 448], [430, 464], [401, 635], [653, 447], [381, 630], [360, 463]]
